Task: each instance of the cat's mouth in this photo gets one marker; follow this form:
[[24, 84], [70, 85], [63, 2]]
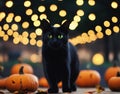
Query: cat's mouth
[[55, 46]]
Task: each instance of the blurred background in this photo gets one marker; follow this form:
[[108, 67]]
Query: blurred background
[[94, 30]]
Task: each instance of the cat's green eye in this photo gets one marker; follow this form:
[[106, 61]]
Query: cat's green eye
[[60, 36], [50, 36]]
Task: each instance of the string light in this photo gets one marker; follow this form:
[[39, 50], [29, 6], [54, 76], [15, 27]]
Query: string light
[[114, 5], [9, 4], [53, 7], [13, 22], [41, 8]]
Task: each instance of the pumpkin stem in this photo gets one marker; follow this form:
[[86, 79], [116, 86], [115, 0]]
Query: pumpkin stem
[[118, 74], [21, 70]]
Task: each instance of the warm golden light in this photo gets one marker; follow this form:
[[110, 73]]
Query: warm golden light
[[91, 32], [5, 37], [114, 5], [25, 25], [15, 34], [43, 16], [114, 19], [2, 15], [34, 17], [29, 12], [41, 8], [9, 18], [6, 26], [27, 3], [25, 34], [53, 7], [9, 4], [16, 40], [92, 16], [73, 25], [38, 31], [98, 59], [10, 32], [77, 18], [56, 25], [80, 12], [106, 23], [33, 35], [39, 43], [36, 23], [79, 2], [91, 2], [32, 41], [116, 29], [99, 35], [108, 32], [14, 27], [17, 18], [2, 33], [98, 28], [25, 41], [62, 13]]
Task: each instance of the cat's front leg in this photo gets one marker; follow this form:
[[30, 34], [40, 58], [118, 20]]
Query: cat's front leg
[[66, 80]]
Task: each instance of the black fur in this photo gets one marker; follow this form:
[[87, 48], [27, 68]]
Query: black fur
[[60, 60]]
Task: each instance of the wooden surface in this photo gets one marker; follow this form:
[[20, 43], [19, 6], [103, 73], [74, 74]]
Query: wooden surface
[[79, 91]]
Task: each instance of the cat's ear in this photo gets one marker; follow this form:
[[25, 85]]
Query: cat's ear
[[45, 25], [65, 26]]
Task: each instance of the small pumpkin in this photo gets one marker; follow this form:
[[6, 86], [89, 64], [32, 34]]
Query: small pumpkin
[[22, 82], [111, 72], [114, 83], [2, 83], [44, 83], [88, 78], [27, 68]]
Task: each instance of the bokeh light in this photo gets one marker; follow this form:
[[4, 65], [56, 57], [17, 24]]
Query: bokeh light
[[27, 3], [98, 59], [25, 25], [92, 16], [79, 2], [41, 8], [62, 13], [98, 28], [80, 12], [17, 18], [29, 12], [91, 2], [106, 23], [108, 32], [38, 31], [114, 5], [116, 29], [114, 19], [9, 4], [53, 7]]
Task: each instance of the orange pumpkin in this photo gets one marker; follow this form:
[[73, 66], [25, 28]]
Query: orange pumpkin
[[114, 83], [111, 72], [44, 83], [27, 68], [2, 83], [88, 78], [22, 82]]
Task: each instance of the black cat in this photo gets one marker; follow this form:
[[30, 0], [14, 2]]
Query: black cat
[[60, 60]]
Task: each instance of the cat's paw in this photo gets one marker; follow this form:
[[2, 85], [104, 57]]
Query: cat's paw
[[73, 87], [52, 90], [66, 90]]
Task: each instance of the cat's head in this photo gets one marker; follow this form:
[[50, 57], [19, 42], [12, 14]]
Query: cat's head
[[52, 37]]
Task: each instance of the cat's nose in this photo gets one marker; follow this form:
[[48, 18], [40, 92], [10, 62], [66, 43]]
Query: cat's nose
[[54, 40]]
